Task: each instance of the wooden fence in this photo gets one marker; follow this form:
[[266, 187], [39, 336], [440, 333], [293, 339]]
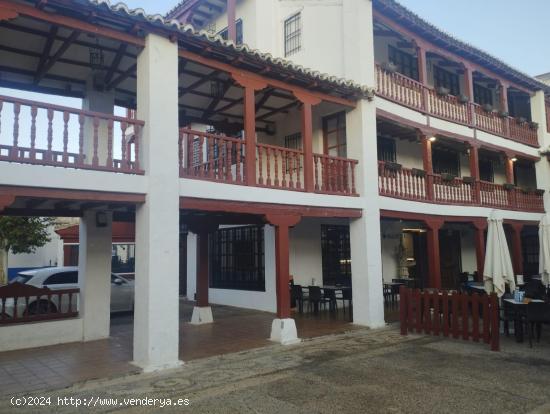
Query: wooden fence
[[450, 314]]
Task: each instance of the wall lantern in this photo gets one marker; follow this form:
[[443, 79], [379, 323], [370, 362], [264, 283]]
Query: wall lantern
[[432, 139], [101, 219]]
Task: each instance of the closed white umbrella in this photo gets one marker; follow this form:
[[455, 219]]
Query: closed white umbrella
[[498, 268], [544, 249]]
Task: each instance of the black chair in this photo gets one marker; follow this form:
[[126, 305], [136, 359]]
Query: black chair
[[298, 297], [316, 299], [330, 296], [537, 314], [387, 292], [507, 313], [346, 297], [534, 289]]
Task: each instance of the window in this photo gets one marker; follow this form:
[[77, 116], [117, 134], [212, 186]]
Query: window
[[447, 80], [406, 63], [123, 258], [446, 162], [237, 258], [336, 254], [386, 150], [239, 26], [62, 278], [482, 95], [293, 34], [486, 170], [334, 132]]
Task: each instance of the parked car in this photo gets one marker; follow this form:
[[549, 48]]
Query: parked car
[[58, 278]]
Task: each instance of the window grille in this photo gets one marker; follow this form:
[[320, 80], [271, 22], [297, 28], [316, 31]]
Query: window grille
[[293, 34]]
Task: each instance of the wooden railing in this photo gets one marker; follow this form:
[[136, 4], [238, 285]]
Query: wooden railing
[[20, 303], [279, 167], [47, 134], [405, 91], [413, 184], [450, 314], [404, 183], [211, 157], [334, 175]]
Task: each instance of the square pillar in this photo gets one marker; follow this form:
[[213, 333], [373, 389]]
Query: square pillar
[[308, 101], [94, 274], [231, 20], [542, 167], [156, 316], [434, 260], [474, 172], [428, 166]]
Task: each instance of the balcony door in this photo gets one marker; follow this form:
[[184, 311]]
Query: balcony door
[[334, 135]]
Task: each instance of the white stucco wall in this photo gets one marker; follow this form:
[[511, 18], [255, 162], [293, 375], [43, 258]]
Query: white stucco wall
[[47, 255]]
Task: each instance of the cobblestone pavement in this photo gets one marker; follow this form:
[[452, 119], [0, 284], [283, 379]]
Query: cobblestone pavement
[[358, 372]]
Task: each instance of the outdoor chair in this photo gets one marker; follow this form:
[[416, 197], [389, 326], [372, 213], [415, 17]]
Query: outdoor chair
[[537, 314], [507, 313], [316, 299], [346, 297], [534, 289], [298, 296], [330, 295]]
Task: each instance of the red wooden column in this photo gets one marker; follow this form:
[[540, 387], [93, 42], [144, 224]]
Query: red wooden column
[[423, 73], [231, 20], [480, 226], [469, 91], [434, 261], [517, 254], [308, 101], [428, 166], [250, 85], [474, 172], [509, 165], [504, 106], [282, 224]]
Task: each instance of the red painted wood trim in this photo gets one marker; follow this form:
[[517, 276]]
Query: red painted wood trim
[[71, 23], [307, 140], [243, 207], [225, 67], [77, 195]]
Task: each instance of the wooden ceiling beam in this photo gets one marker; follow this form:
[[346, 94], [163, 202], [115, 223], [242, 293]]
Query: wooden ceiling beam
[[52, 60], [116, 62], [47, 48], [125, 75]]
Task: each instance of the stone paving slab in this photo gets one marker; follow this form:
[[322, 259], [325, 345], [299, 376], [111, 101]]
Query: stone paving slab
[[362, 371]]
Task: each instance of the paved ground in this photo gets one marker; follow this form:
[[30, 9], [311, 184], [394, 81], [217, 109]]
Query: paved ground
[[358, 372]]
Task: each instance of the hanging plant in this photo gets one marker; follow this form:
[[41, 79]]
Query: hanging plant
[[509, 186], [416, 172], [503, 114], [463, 99], [521, 120], [393, 166], [442, 91], [534, 125], [389, 67], [468, 180], [487, 108], [539, 192], [447, 177]]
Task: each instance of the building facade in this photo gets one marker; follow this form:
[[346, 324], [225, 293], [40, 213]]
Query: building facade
[[246, 169]]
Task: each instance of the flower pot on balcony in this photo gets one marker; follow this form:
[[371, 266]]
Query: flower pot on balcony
[[468, 180], [416, 172], [521, 120], [533, 125], [393, 166], [503, 114], [463, 99], [539, 192], [447, 177], [487, 108], [389, 67], [509, 186], [442, 91]]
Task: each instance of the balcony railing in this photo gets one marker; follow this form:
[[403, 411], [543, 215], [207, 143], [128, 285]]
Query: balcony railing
[[414, 184], [38, 133], [405, 91], [220, 158]]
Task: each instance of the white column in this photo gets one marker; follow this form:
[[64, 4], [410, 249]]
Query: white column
[[191, 265], [156, 315], [94, 274], [542, 168]]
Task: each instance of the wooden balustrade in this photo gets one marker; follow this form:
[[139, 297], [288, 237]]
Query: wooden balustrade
[[401, 183], [334, 175], [413, 184], [45, 134], [211, 157], [20, 303], [280, 167], [405, 91], [453, 191], [450, 314]]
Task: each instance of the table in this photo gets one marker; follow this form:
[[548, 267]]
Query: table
[[518, 309]]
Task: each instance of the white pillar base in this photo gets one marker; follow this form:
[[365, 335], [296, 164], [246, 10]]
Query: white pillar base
[[284, 331], [202, 315], [160, 367]]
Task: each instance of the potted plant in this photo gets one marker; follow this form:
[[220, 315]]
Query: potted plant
[[533, 125], [442, 91], [509, 186], [447, 177], [393, 166], [463, 98], [539, 192], [521, 120], [487, 107], [389, 67], [417, 172], [503, 114], [468, 180]]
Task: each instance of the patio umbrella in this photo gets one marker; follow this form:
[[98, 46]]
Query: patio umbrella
[[498, 268], [544, 249]]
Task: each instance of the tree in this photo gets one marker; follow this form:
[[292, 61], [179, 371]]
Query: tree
[[21, 235]]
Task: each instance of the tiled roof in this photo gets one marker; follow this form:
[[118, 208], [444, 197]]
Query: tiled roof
[[393, 9], [174, 9], [171, 24]]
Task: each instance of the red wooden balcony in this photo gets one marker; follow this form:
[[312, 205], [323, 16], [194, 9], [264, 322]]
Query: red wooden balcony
[[45, 134], [408, 92], [413, 184], [220, 158]]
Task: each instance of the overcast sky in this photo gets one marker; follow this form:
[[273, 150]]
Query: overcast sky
[[518, 32]]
